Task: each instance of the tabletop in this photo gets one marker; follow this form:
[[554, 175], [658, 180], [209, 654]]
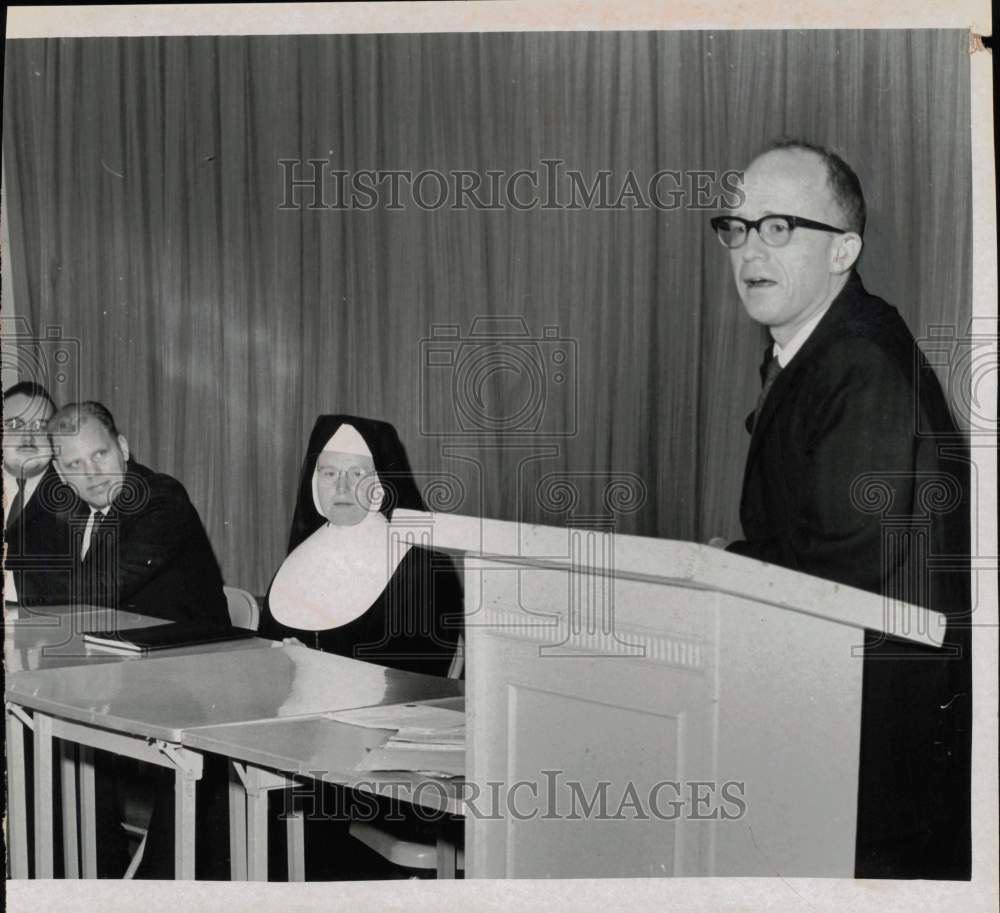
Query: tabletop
[[51, 637], [162, 696], [327, 750]]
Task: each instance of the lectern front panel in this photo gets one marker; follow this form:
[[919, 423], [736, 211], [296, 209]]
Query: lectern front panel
[[588, 741], [633, 728]]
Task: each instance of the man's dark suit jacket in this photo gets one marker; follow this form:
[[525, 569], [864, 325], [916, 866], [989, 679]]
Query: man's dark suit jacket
[[856, 473], [38, 542], [150, 554]]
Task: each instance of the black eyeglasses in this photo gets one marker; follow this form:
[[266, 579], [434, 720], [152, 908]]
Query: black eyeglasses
[[774, 230], [19, 424]]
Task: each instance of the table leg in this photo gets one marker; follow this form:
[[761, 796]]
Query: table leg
[[17, 799], [446, 856], [43, 797], [67, 778], [295, 826], [256, 832], [184, 824], [237, 826], [88, 814]]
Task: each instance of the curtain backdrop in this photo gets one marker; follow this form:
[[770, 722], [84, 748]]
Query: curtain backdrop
[[144, 192]]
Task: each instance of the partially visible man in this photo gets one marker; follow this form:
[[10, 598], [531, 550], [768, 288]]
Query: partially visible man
[[140, 543], [36, 535], [856, 473]]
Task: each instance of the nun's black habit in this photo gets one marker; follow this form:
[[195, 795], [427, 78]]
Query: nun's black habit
[[414, 624]]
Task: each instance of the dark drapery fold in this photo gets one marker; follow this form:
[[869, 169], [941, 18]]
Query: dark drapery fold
[[143, 188]]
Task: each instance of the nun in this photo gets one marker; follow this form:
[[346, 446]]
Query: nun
[[351, 583]]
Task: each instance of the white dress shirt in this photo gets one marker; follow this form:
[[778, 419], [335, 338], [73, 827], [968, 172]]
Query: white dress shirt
[[89, 531], [787, 352]]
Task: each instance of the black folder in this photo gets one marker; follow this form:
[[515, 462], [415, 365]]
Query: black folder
[[163, 637]]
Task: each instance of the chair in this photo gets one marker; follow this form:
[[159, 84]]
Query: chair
[[457, 666], [244, 611], [409, 854]]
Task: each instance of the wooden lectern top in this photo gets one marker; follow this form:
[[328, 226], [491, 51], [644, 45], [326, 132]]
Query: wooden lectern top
[[670, 562]]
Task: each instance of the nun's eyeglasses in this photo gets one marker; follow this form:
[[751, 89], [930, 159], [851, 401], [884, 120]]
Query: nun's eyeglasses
[[354, 475], [774, 230]]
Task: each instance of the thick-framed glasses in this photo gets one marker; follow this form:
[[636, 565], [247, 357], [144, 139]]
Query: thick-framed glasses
[[14, 425], [774, 230]]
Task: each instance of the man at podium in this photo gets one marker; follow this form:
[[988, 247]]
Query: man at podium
[[856, 473]]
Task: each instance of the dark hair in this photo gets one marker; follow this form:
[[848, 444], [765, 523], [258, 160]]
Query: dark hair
[[30, 389], [842, 180], [70, 417]]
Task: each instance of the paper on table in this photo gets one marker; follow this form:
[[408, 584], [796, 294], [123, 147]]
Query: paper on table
[[443, 763], [453, 736], [431, 717]]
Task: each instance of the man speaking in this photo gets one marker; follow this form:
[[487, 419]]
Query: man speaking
[[857, 473]]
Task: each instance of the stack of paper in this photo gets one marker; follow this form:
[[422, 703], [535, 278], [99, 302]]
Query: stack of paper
[[429, 738]]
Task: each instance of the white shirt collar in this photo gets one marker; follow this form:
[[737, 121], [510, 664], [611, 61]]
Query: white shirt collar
[[787, 352]]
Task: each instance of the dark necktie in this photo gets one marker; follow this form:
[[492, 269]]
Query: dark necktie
[[95, 526], [17, 505], [770, 375]]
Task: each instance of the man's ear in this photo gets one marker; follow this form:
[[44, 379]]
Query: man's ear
[[123, 446], [845, 252], [59, 472]]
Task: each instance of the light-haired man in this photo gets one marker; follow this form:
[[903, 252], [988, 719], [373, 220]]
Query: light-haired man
[[140, 543], [852, 446]]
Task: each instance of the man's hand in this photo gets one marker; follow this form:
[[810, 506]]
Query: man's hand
[[718, 542]]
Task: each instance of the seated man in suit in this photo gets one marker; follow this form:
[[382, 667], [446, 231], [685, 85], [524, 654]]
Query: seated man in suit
[[36, 534], [856, 473], [142, 546]]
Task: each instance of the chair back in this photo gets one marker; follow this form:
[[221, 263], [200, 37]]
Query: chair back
[[244, 612], [457, 666]]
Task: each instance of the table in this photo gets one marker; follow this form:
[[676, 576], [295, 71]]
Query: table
[[268, 755], [141, 710], [49, 638]]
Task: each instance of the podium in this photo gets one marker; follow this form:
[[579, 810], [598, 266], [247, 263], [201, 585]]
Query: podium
[[647, 707]]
